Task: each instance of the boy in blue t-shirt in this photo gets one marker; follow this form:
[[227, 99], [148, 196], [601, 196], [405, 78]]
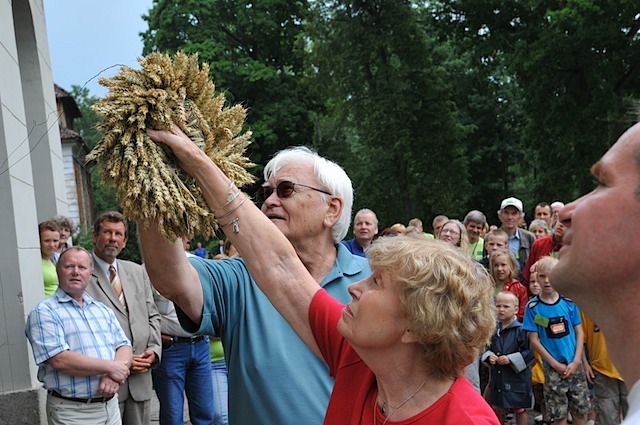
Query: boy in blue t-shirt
[[554, 329]]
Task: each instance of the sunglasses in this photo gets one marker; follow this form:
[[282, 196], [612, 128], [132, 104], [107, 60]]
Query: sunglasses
[[283, 190]]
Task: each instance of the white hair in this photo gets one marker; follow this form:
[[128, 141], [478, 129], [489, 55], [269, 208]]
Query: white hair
[[330, 175]]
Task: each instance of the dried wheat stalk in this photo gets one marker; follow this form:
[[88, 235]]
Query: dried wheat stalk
[[149, 185]]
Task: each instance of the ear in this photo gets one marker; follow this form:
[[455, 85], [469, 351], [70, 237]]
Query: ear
[[334, 209], [409, 337]]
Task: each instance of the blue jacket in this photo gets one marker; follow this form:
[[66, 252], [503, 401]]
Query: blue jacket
[[510, 385]]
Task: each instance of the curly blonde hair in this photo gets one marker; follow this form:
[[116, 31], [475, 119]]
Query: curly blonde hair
[[446, 297]]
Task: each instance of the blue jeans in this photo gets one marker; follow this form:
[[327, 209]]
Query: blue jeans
[[185, 368], [220, 392]]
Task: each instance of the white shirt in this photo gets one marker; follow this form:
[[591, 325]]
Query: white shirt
[[99, 262], [633, 415]]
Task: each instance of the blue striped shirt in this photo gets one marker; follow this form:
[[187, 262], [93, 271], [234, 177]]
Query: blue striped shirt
[[59, 323]]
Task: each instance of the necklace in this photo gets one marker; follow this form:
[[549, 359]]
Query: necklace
[[383, 408]]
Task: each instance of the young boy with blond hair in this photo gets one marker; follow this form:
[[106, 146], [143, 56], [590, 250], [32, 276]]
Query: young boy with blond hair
[[509, 357], [555, 331]]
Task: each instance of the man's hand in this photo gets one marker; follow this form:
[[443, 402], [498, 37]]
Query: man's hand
[[141, 363], [119, 371], [108, 387], [189, 155]]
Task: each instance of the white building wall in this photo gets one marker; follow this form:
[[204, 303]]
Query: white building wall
[[71, 190], [31, 189]]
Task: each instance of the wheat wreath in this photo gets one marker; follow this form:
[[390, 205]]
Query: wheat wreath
[[149, 185]]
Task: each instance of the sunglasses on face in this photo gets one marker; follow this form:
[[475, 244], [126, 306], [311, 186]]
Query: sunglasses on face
[[283, 190]]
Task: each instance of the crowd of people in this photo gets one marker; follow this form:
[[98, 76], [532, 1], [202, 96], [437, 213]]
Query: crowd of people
[[285, 321], [529, 312]]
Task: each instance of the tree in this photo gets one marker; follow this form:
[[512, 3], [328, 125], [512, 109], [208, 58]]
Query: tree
[[255, 52], [576, 64], [385, 84]]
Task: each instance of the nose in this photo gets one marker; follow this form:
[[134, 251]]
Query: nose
[[271, 200], [355, 289], [565, 214]]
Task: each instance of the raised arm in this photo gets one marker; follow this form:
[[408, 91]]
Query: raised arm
[[277, 270], [170, 272]]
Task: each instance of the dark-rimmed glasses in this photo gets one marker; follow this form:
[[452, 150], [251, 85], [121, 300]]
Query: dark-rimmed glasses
[[283, 190]]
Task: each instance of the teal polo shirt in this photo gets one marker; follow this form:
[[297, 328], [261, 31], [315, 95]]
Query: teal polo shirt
[[273, 377]]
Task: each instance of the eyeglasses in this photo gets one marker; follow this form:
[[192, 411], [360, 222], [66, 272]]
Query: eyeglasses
[[451, 232], [283, 190]]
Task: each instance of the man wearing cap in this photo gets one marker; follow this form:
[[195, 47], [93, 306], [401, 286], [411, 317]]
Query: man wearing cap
[[520, 240]]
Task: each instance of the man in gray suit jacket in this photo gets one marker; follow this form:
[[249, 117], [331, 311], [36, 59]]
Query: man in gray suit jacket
[[124, 287]]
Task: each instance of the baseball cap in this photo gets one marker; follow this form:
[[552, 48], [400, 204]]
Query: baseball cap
[[511, 202]]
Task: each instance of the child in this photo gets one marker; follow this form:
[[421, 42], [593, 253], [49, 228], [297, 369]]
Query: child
[[504, 270], [554, 329], [496, 239], [537, 371], [510, 358]]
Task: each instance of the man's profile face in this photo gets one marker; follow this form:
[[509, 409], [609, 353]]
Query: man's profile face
[[543, 213], [601, 249], [365, 227], [510, 217], [109, 241]]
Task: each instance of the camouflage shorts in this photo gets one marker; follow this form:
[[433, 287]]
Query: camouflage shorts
[[564, 395]]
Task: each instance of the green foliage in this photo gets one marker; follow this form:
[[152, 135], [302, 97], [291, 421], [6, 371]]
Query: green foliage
[[431, 107], [254, 50], [86, 124], [385, 82], [576, 67]]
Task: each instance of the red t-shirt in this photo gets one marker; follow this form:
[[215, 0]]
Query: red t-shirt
[[540, 248], [354, 392], [519, 290]]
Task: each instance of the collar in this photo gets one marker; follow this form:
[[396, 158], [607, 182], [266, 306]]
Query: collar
[[346, 264], [104, 266], [63, 297]]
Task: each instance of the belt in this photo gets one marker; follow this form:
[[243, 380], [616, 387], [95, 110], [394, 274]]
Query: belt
[[80, 400], [168, 340]]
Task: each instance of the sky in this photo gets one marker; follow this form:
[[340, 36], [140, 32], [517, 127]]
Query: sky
[[88, 36]]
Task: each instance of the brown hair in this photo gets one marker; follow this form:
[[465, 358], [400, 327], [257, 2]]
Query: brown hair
[[111, 216], [48, 225]]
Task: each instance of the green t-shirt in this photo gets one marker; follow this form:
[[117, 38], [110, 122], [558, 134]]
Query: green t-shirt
[[216, 351], [477, 249], [50, 277]]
